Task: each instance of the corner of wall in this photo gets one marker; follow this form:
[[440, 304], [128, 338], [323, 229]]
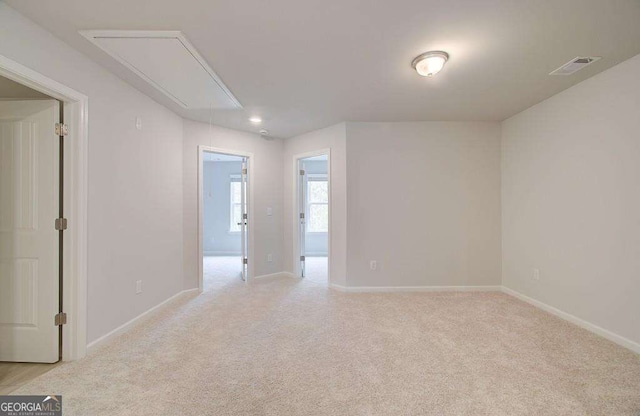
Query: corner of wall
[[500, 139]]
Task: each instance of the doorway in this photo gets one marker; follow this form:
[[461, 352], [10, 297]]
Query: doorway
[[312, 217], [31, 239], [74, 251], [31, 184], [224, 226]]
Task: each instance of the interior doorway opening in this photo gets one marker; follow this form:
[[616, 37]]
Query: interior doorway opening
[[313, 217], [31, 184], [224, 220], [72, 260], [31, 247]]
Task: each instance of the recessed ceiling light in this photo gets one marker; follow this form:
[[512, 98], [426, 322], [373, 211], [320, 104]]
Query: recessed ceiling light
[[430, 63], [255, 120]]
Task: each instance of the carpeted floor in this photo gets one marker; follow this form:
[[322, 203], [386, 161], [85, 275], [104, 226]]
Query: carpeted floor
[[316, 270], [284, 346], [218, 269], [221, 268]]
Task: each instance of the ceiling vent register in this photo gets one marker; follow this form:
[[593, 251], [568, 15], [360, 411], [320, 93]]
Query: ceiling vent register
[[575, 65]]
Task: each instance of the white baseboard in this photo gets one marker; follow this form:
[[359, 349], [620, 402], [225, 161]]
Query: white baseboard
[[618, 339], [379, 289], [278, 274], [128, 325]]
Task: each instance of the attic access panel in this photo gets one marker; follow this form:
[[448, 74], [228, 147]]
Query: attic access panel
[[168, 62]]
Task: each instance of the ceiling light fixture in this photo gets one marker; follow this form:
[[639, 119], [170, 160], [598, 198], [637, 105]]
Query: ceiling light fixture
[[430, 63], [255, 120]]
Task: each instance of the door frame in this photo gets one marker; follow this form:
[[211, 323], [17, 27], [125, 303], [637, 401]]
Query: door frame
[[297, 269], [76, 116], [250, 208]]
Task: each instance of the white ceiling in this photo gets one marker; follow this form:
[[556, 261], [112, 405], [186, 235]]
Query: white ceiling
[[304, 65], [12, 89]]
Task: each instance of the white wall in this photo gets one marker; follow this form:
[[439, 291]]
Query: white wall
[[217, 240], [267, 170], [424, 202], [129, 171], [571, 200], [333, 138]]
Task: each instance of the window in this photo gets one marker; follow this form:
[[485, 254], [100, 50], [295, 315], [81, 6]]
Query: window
[[235, 203], [317, 204]]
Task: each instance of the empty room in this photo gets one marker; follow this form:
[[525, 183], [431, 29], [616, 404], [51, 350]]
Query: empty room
[[319, 208]]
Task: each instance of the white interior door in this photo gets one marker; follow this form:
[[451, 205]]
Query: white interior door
[[302, 209], [244, 220], [29, 203]]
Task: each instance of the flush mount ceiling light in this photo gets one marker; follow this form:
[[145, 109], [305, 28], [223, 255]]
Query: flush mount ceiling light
[[430, 63], [255, 120]]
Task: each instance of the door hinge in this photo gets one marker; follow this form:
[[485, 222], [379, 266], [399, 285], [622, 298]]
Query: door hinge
[[302, 215], [61, 224], [62, 129], [302, 258], [301, 172], [60, 318], [245, 261]]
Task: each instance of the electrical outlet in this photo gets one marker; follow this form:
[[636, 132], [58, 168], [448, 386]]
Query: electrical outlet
[[269, 257], [373, 264], [138, 123], [269, 211], [138, 287], [536, 274]]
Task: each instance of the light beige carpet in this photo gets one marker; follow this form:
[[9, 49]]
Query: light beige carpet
[[282, 346], [316, 269]]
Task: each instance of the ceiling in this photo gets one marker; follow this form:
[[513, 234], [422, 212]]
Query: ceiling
[[303, 65], [12, 89]]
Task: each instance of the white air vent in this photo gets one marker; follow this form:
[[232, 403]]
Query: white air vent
[[574, 65], [167, 61]]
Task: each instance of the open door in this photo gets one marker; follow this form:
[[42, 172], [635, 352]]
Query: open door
[[244, 221], [30, 244], [302, 203]]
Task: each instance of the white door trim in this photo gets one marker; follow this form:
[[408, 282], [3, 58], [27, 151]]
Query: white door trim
[[250, 208], [296, 219], [74, 333]]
